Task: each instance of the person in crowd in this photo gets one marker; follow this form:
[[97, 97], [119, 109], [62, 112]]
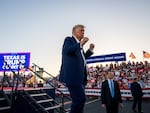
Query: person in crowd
[[137, 94], [73, 70], [110, 94], [40, 84]]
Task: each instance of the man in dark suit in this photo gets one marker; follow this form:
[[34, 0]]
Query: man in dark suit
[[73, 68], [110, 94], [137, 94]]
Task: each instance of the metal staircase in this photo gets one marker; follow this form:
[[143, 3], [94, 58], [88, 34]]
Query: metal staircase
[[5, 105], [41, 101], [36, 100], [44, 102], [5, 99]]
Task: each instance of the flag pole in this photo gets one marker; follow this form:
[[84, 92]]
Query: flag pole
[[143, 56]]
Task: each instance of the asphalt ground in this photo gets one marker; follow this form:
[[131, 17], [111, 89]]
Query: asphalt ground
[[94, 106]]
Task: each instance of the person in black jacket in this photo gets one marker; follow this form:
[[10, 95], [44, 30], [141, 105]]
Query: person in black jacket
[[73, 68], [137, 94], [111, 100]]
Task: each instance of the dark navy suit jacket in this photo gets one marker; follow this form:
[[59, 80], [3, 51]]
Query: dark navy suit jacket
[[136, 90], [106, 94], [73, 70]]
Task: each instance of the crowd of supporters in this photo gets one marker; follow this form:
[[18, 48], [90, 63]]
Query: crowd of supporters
[[12, 79], [124, 74]]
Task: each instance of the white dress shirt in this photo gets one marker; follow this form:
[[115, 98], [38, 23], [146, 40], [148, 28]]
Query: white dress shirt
[[81, 50]]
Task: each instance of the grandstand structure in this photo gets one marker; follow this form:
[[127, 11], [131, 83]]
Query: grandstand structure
[[52, 96], [16, 98], [124, 74]]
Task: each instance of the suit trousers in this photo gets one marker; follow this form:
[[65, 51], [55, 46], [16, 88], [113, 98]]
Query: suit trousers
[[137, 100], [78, 96], [112, 107]]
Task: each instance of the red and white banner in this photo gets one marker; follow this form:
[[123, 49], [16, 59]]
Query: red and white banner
[[97, 92]]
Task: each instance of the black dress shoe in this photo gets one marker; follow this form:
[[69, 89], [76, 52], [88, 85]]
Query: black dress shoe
[[134, 111], [141, 112]]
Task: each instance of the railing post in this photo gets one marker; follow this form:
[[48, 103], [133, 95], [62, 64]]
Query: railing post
[[17, 78], [3, 80]]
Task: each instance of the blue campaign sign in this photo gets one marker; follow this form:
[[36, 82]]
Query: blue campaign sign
[[107, 58], [14, 61]]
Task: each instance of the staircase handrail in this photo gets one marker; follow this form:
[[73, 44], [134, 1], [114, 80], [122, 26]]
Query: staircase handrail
[[43, 70], [5, 77], [56, 88]]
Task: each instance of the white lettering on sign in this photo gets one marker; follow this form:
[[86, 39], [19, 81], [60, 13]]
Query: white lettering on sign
[[14, 61]]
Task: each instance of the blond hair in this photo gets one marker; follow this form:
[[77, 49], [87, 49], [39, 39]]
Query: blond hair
[[77, 26]]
